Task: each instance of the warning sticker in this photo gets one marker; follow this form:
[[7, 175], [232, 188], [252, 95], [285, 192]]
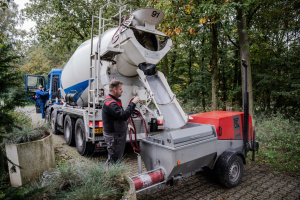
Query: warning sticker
[[146, 179]]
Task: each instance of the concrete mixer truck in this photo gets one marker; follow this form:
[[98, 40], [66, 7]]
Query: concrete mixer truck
[[172, 144]]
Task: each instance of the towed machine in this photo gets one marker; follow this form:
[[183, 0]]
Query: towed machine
[[172, 144]]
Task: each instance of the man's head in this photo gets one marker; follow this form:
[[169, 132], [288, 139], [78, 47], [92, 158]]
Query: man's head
[[40, 87], [115, 88]]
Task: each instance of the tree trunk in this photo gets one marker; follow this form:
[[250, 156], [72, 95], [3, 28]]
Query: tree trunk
[[245, 54], [214, 67], [202, 94], [166, 67], [190, 61], [173, 58]]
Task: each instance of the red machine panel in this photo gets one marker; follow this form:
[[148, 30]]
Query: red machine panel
[[229, 125]]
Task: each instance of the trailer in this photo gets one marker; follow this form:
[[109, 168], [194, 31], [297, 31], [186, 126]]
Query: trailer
[[172, 144]]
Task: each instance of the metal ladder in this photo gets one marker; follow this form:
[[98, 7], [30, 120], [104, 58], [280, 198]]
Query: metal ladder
[[95, 65]]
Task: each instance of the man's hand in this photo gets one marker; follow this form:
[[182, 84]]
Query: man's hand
[[136, 100], [130, 128]]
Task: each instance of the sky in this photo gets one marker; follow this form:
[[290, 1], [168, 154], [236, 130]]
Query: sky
[[27, 23]]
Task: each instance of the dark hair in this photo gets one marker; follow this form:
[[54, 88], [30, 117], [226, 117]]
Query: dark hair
[[114, 84]]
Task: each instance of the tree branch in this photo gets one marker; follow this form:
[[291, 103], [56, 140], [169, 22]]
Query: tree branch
[[250, 16], [232, 41]]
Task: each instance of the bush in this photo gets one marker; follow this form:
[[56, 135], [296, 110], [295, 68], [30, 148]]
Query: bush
[[28, 133], [21, 120], [79, 181], [279, 143]]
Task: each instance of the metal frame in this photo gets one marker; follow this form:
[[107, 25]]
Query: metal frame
[[93, 88]]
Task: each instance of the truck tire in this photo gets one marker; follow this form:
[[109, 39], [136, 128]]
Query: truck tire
[[53, 124], [84, 148], [232, 172], [69, 130]]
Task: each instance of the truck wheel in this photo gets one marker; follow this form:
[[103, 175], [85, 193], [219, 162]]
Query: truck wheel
[[53, 124], [69, 129], [232, 172], [84, 148]]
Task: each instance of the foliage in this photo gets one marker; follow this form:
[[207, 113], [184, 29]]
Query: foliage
[[11, 94], [3, 5], [4, 183], [61, 27], [27, 134], [24, 121], [79, 181], [279, 143], [37, 62], [271, 25]]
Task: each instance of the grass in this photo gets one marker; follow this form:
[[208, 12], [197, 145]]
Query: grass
[[28, 133], [279, 140], [76, 181]]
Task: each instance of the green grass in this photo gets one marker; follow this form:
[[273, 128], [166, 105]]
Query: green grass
[[279, 140], [76, 181]]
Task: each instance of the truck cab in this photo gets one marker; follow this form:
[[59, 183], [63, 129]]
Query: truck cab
[[32, 83]]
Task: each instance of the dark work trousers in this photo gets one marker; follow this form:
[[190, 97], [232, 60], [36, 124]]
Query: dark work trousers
[[41, 104], [116, 141]]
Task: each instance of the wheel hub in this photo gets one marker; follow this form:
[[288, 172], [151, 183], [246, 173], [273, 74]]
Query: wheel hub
[[234, 172]]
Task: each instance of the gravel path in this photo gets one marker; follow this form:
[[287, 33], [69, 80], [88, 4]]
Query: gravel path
[[257, 183]]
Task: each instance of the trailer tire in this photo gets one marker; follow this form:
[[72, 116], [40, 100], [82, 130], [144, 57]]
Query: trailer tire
[[69, 130], [232, 172], [84, 148], [53, 123]]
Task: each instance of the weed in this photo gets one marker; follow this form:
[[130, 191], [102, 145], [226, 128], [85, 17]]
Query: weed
[[27, 134], [279, 143], [78, 181]]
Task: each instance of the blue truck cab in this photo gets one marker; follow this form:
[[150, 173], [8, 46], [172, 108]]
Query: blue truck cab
[[32, 83]]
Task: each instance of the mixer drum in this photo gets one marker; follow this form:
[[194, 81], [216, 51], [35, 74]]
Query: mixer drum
[[139, 47]]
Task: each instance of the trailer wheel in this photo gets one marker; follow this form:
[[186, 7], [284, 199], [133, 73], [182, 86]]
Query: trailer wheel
[[84, 148], [232, 172], [53, 124], [69, 129]]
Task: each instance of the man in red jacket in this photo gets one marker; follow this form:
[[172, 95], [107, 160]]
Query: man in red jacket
[[114, 119]]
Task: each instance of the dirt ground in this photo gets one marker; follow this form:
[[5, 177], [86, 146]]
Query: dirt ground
[[257, 183]]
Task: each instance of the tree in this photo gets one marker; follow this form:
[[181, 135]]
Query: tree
[[209, 40], [12, 94], [244, 47], [4, 5]]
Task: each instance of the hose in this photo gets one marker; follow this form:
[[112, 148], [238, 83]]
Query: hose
[[136, 114]]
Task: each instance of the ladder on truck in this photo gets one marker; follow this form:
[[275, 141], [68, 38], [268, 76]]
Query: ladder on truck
[[95, 63]]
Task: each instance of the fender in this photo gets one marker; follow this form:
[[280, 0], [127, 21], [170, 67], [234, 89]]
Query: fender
[[225, 157]]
